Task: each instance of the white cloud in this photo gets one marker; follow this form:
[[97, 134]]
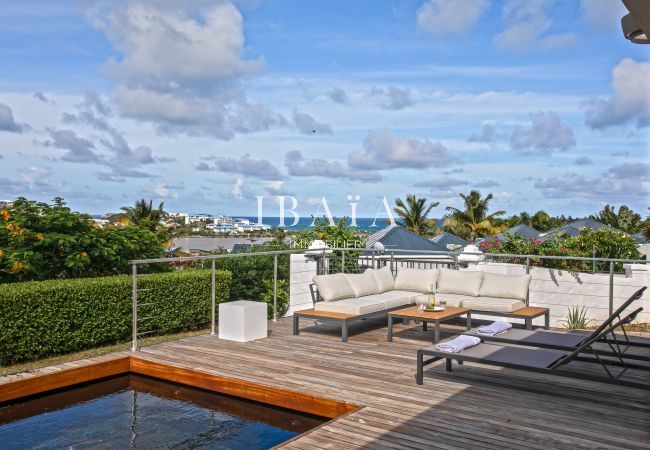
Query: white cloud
[[382, 150], [625, 182], [488, 134], [245, 165], [238, 189], [630, 102], [398, 98], [528, 23], [583, 161], [338, 95], [298, 166], [546, 134], [179, 66], [306, 124], [603, 14], [78, 149], [439, 17], [7, 121]]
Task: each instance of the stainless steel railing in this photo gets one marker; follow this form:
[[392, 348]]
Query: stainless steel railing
[[365, 258]]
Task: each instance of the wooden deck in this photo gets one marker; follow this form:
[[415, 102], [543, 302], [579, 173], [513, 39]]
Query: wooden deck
[[472, 407]]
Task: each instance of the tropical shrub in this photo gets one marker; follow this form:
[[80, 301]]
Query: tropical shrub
[[40, 241], [282, 298], [44, 318], [337, 235], [602, 243], [577, 318]]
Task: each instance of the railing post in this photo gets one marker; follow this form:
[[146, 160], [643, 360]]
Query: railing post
[[342, 261], [527, 265], [275, 288], [134, 307], [392, 263], [373, 259], [611, 287], [213, 299]]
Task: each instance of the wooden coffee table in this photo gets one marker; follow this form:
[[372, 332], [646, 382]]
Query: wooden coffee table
[[425, 317]]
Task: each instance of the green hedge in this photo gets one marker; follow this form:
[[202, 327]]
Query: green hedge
[[45, 318]]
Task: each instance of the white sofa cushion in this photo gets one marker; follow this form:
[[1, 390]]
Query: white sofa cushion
[[384, 278], [362, 283], [461, 282], [393, 299], [416, 280], [333, 287], [355, 306], [494, 304], [505, 286], [453, 300]]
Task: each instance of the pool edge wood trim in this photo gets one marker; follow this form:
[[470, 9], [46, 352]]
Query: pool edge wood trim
[[34, 384], [296, 401], [39, 383]]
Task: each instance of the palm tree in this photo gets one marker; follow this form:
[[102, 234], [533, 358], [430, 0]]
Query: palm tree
[[414, 214], [473, 221], [144, 215]]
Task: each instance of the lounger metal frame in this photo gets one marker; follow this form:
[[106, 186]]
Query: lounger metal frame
[[563, 357]]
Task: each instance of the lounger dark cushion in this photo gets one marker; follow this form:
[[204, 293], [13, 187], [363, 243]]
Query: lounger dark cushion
[[538, 337], [534, 358]]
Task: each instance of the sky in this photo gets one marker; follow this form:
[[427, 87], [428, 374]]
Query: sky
[[204, 105]]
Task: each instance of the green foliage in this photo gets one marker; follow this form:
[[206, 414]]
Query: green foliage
[[248, 272], [144, 215], [414, 215], [541, 220], [283, 297], [625, 220], [338, 235], [577, 318], [44, 318], [40, 241], [473, 221], [602, 243]]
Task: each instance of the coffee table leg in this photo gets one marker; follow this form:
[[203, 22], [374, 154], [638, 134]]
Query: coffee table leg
[[436, 335], [469, 320], [390, 329], [547, 320], [424, 325]]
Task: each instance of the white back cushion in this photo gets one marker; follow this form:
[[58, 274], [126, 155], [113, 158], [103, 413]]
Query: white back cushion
[[333, 287], [505, 286], [383, 278], [416, 280], [461, 282], [362, 283]]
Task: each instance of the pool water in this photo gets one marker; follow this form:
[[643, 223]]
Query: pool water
[[131, 412]]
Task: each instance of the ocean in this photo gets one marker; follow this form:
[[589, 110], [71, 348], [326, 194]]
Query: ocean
[[363, 223]]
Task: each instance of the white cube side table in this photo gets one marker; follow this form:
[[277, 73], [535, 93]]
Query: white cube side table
[[242, 320]]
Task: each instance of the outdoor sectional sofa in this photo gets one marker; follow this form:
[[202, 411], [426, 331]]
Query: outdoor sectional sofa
[[347, 297]]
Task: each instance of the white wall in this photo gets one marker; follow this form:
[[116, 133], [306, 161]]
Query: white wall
[[301, 271], [550, 288], [561, 289]]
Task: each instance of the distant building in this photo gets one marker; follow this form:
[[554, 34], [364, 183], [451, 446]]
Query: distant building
[[399, 238], [449, 241], [100, 222], [200, 218], [223, 224], [6, 204]]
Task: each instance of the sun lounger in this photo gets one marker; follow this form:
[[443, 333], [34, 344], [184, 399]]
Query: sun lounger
[[540, 360], [610, 345]]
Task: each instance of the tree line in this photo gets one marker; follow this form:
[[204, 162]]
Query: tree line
[[475, 220]]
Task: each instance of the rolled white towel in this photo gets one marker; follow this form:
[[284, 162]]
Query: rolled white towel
[[458, 344], [494, 328]]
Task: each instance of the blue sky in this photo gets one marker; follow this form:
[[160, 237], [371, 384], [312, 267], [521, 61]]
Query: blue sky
[[206, 104]]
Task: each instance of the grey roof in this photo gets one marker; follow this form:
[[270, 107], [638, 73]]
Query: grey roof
[[640, 238], [396, 237], [573, 228], [448, 240], [523, 231]]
